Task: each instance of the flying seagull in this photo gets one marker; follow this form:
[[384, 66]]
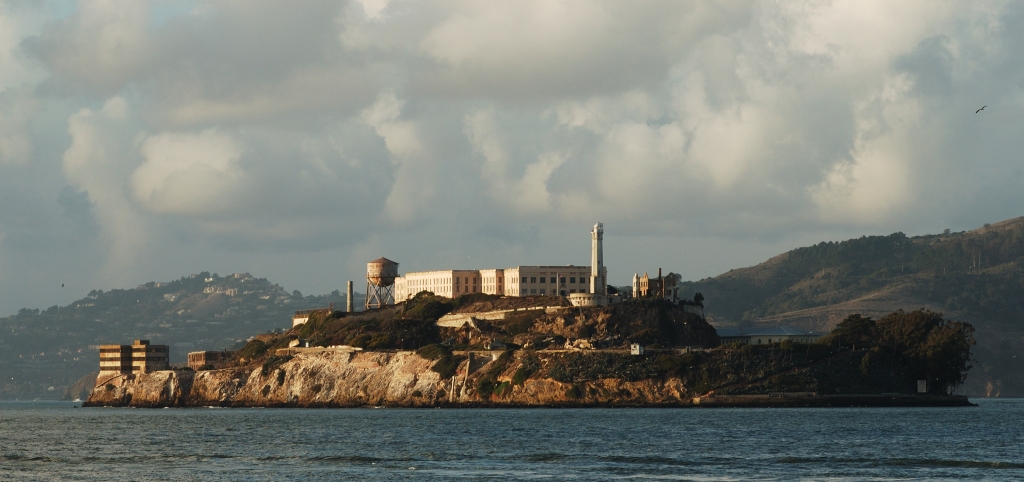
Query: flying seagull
[[981, 109]]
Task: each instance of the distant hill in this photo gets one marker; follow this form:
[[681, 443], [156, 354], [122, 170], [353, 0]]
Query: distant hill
[[974, 276], [44, 352]]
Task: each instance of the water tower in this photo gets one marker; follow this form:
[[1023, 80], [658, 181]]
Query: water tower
[[380, 282]]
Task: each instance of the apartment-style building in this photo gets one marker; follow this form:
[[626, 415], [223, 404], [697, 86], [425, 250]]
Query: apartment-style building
[[139, 357]]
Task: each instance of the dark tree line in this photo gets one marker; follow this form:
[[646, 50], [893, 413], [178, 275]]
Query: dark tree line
[[919, 345]]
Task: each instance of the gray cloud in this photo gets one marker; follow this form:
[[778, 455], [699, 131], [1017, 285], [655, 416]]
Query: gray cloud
[[297, 141]]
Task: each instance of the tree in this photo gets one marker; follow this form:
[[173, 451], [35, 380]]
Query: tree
[[928, 347], [855, 330], [698, 298]]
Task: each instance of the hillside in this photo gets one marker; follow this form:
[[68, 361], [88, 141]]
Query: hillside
[[974, 276], [44, 352]]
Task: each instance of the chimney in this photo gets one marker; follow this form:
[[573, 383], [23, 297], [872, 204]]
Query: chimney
[[661, 283], [348, 297]]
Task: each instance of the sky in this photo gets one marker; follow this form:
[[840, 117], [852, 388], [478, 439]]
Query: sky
[[148, 140]]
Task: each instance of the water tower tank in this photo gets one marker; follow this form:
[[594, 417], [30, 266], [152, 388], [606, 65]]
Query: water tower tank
[[381, 272]]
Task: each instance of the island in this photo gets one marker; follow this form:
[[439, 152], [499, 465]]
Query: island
[[481, 350]]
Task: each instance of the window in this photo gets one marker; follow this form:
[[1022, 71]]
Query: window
[[562, 280], [572, 280], [533, 279], [542, 291], [524, 279], [533, 291], [563, 292], [572, 290]]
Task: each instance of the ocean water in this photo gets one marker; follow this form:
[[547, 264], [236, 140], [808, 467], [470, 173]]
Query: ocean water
[[54, 441]]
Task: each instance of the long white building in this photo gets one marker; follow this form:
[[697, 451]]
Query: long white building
[[517, 281]]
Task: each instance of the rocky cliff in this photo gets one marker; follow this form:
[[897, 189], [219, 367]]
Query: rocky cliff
[[396, 379]]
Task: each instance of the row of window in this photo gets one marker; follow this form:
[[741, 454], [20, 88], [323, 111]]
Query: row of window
[[544, 279], [425, 282], [533, 291]]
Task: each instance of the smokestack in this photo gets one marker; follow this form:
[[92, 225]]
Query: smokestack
[[661, 282], [348, 297]]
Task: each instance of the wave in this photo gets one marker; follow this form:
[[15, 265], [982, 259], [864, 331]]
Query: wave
[[905, 462]]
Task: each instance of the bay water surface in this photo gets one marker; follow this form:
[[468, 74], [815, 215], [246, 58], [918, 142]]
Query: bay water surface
[[55, 441]]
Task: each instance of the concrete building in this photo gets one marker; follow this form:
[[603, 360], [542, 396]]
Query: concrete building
[[547, 280], [449, 283], [516, 281], [766, 335], [302, 316], [568, 280], [661, 286], [208, 360], [139, 357], [492, 281]]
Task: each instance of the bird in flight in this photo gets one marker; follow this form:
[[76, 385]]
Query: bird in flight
[[981, 109], [62, 285]]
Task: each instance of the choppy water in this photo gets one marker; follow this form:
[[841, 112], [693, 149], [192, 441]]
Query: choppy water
[[53, 441]]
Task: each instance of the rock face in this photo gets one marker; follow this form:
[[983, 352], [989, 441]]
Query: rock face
[[397, 379]]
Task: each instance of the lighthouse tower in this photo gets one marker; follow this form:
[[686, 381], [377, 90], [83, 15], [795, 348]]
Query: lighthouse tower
[[598, 294], [598, 275]]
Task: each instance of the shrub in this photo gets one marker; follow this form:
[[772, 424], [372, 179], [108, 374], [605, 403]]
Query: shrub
[[253, 349], [446, 363], [528, 366], [501, 388], [576, 367], [446, 366], [484, 387], [434, 351], [273, 362]]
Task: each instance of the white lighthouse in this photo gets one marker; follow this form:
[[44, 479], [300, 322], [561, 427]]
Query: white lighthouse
[[598, 275]]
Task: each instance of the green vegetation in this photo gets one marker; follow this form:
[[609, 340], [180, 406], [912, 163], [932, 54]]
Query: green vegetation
[[488, 384], [252, 350], [976, 276], [446, 364], [579, 367], [528, 365], [919, 345], [271, 364], [946, 267]]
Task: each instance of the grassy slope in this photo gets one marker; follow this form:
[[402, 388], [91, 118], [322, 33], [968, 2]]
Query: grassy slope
[[975, 276]]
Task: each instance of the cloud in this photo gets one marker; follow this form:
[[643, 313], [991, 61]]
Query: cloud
[[16, 112], [526, 195], [189, 174], [413, 188], [452, 132], [103, 45]]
